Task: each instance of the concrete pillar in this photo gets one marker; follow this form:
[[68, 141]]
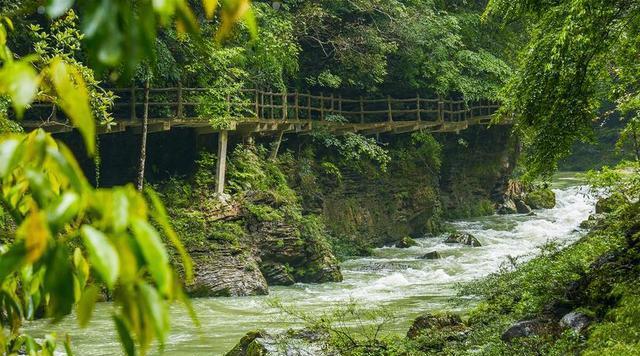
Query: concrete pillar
[[221, 166]]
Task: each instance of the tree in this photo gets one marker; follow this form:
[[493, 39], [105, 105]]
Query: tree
[[579, 55], [74, 242]]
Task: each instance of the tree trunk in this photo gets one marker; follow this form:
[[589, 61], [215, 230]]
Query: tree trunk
[[143, 143]]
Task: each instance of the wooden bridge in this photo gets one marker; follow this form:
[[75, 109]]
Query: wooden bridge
[[256, 111], [268, 113]]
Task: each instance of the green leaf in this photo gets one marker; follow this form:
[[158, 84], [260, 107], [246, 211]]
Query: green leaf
[[86, 304], [161, 216], [209, 7], [67, 345], [156, 309], [13, 259], [154, 253], [63, 209], [58, 283], [56, 8], [124, 332], [10, 154], [103, 256], [73, 99], [20, 81]]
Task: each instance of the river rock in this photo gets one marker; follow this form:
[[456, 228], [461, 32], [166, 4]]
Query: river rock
[[522, 207], [507, 207], [524, 328], [277, 274], [406, 242], [303, 342], [433, 255], [452, 322], [576, 321], [610, 203], [543, 198], [593, 221], [463, 238], [225, 272]]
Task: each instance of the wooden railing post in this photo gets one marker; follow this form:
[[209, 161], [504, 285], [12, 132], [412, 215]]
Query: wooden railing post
[[309, 106], [257, 105], [321, 106], [332, 104], [179, 110], [361, 109], [440, 109], [132, 104], [271, 105], [297, 107], [339, 104], [418, 107], [389, 112], [262, 105], [285, 100]]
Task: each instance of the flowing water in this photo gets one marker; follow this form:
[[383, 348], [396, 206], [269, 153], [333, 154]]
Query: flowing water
[[393, 279]]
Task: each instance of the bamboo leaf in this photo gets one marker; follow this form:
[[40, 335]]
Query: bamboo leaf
[[156, 309], [209, 7], [35, 233], [103, 256], [124, 332]]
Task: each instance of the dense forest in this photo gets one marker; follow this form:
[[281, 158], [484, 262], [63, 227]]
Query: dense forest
[[374, 166]]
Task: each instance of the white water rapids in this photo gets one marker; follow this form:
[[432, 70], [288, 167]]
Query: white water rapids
[[394, 279]]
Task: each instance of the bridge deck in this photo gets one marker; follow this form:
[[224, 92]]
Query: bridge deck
[[256, 111]]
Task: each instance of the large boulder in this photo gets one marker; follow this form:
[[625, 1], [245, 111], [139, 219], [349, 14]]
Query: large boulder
[[524, 328], [507, 207], [303, 342], [406, 242], [522, 207], [225, 272], [610, 203], [594, 221], [450, 322], [576, 321], [463, 238], [433, 255], [543, 198]]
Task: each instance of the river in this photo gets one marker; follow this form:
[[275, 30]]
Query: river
[[393, 279]]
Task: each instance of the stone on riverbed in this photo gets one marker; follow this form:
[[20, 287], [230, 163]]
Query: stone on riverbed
[[303, 342], [507, 207], [522, 207], [463, 238], [524, 328], [406, 242], [433, 255], [576, 321]]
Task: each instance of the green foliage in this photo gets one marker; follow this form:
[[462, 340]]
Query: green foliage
[[623, 179], [577, 57], [353, 147]]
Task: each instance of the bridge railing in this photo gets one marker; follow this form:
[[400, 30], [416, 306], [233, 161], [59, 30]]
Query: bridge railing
[[184, 103]]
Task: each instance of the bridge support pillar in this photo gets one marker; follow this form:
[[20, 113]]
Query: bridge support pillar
[[221, 166]]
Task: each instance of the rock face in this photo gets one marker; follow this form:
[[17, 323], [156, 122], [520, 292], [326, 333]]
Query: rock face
[[406, 242], [610, 203], [543, 198], [225, 272], [291, 343], [576, 321], [524, 328], [522, 207], [430, 321], [433, 255], [507, 207], [463, 238]]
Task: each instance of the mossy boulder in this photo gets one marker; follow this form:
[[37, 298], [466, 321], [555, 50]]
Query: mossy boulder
[[291, 342], [462, 238], [543, 198], [433, 255], [610, 203], [406, 242]]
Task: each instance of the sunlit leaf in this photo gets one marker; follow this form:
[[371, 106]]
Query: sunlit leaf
[[155, 309], [209, 7], [86, 304], [154, 253], [63, 209], [73, 99], [56, 8], [20, 81], [9, 155], [103, 256], [35, 233]]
